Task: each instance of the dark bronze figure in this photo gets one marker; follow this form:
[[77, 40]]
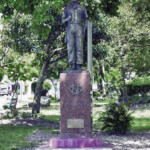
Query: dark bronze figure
[[75, 18]]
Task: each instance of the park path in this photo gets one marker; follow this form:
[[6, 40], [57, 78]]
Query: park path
[[131, 141]]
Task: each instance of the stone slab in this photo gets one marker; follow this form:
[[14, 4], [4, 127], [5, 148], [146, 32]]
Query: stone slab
[[75, 143]]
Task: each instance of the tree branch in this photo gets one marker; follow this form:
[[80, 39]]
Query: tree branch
[[61, 57], [55, 50]]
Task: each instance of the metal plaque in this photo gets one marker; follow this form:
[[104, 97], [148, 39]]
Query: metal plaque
[[75, 123]]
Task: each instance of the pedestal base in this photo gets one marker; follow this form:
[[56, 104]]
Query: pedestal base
[[75, 103], [75, 143]]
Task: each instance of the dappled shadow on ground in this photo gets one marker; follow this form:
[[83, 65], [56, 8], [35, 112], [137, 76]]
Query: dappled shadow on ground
[[29, 122], [133, 140]]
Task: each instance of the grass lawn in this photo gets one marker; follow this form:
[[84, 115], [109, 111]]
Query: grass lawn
[[95, 101], [13, 137], [138, 124], [141, 124], [51, 118]]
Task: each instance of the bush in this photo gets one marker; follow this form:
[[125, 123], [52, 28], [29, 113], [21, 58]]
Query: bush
[[25, 115], [139, 85], [46, 87], [96, 94], [116, 119], [33, 86], [132, 90], [1, 75], [10, 112]]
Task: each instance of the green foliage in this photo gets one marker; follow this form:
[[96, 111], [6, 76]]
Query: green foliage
[[54, 100], [129, 40], [141, 124], [10, 112], [5, 107], [116, 119], [20, 67], [46, 86], [114, 80], [96, 94], [13, 137], [33, 86], [25, 115], [140, 81], [7, 115], [123, 45], [107, 101], [138, 89], [1, 75], [110, 6], [19, 35], [14, 112]]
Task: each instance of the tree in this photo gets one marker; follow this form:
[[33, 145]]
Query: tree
[[45, 25], [22, 40], [129, 44], [122, 43]]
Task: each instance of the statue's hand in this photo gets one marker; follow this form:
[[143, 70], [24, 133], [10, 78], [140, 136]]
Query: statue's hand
[[64, 20], [69, 18]]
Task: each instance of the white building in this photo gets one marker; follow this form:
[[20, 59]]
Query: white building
[[25, 90]]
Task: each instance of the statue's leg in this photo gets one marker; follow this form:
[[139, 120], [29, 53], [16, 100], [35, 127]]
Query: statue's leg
[[79, 45], [70, 46]]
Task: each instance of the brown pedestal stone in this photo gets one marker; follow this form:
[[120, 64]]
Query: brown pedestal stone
[[75, 101]]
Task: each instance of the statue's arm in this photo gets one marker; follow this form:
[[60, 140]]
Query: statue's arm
[[85, 25], [86, 19], [65, 17]]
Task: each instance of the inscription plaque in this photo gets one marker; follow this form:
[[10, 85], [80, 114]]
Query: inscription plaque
[[75, 123]]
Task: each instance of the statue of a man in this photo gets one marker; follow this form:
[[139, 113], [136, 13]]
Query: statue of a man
[[75, 18]]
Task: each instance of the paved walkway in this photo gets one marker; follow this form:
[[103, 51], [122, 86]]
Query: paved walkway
[[131, 141]]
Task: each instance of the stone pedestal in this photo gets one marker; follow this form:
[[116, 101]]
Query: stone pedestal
[[75, 103]]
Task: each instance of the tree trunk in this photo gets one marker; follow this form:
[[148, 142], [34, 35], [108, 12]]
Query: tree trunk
[[124, 89], [39, 85], [53, 82], [103, 80], [102, 72]]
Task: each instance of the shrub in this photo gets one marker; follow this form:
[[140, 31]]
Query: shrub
[[5, 107], [33, 86], [46, 87], [10, 112], [96, 94], [25, 115], [139, 85], [116, 119]]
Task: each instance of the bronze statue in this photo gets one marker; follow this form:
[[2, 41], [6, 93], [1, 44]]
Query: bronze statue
[[75, 18]]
